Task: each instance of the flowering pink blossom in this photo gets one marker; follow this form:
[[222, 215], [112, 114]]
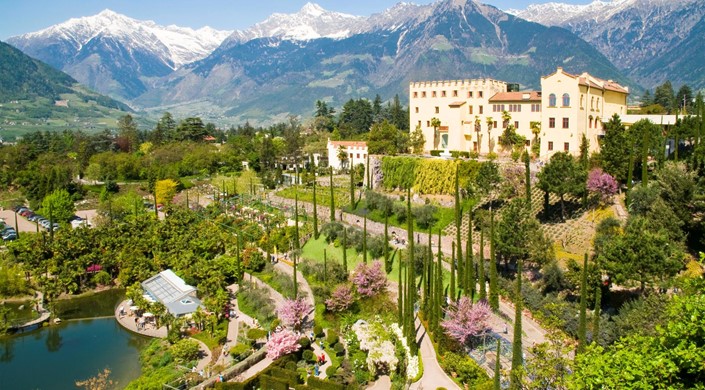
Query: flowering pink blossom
[[282, 343], [463, 319], [370, 280], [602, 183], [341, 298], [293, 312]]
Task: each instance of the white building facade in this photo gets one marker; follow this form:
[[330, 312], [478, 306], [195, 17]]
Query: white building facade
[[355, 153]]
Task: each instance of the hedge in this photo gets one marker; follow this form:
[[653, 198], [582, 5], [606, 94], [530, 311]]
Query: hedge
[[427, 176], [320, 384]]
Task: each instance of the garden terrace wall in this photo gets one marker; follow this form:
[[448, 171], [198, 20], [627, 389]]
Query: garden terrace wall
[[427, 175]]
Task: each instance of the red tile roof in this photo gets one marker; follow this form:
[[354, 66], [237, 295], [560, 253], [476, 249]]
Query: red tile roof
[[349, 143], [516, 96]]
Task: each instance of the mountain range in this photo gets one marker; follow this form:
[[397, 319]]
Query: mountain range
[[284, 64], [651, 40]]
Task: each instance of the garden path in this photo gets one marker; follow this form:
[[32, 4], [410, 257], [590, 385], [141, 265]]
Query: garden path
[[433, 375], [382, 383], [205, 359]]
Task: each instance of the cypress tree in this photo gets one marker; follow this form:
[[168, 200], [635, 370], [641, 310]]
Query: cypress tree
[[527, 178], [630, 173], [494, 293], [345, 250], [238, 259], [332, 198], [470, 261], [400, 294], [517, 351], [497, 367], [353, 204], [325, 265], [428, 279], [458, 232], [645, 158], [582, 321], [296, 284], [187, 205], [367, 168], [439, 284], [411, 276], [452, 271], [387, 264], [315, 210], [596, 316], [364, 238], [296, 238], [481, 266]]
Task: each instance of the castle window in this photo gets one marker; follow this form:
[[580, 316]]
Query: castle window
[[552, 100], [566, 100], [551, 123], [566, 123]]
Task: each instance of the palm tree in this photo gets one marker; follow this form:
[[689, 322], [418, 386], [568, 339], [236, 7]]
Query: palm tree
[[490, 123], [535, 130], [342, 157], [435, 123], [478, 128]]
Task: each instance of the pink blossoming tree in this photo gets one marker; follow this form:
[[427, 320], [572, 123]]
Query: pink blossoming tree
[[602, 184], [293, 312], [369, 280], [463, 319], [281, 344], [341, 298]]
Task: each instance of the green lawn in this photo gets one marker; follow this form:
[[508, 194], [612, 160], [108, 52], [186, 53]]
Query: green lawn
[[313, 250]]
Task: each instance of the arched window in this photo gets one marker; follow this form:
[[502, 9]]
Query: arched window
[[592, 103], [566, 100], [552, 100], [582, 101]]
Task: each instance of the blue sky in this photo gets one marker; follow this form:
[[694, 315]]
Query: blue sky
[[22, 16]]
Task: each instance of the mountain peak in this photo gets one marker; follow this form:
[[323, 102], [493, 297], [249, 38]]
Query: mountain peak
[[312, 9]]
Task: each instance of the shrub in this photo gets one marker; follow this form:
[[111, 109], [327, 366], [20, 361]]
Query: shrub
[[102, 278], [375, 245], [332, 337], [318, 331], [256, 334], [424, 215], [436, 153], [185, 350], [305, 342], [308, 355], [331, 371], [240, 351], [400, 212], [339, 349]]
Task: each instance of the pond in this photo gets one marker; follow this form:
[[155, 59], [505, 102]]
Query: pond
[[54, 357]]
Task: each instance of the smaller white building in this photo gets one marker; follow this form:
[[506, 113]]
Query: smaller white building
[[169, 289], [355, 153]]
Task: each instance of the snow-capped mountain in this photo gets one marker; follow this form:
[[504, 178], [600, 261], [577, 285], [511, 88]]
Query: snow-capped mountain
[[633, 34], [115, 54], [175, 45]]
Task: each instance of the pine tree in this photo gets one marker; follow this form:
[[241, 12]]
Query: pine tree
[[332, 198], [481, 266], [497, 367], [458, 232], [494, 293], [517, 350], [582, 321], [315, 210]]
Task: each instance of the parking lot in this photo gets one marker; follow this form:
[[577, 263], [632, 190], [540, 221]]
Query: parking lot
[[24, 225]]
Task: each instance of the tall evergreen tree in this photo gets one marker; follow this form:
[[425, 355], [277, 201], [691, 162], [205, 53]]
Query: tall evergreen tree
[[458, 232], [367, 170], [386, 243], [452, 272], [400, 294], [596, 314], [497, 367], [296, 238], [481, 265], [494, 289], [315, 210], [582, 319], [345, 250], [364, 237], [325, 265], [332, 197], [527, 178], [470, 261], [353, 204], [517, 350], [411, 277]]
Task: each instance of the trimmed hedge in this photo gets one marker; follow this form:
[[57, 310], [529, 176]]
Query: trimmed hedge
[[320, 384]]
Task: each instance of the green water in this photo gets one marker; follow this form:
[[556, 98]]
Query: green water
[[55, 357]]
